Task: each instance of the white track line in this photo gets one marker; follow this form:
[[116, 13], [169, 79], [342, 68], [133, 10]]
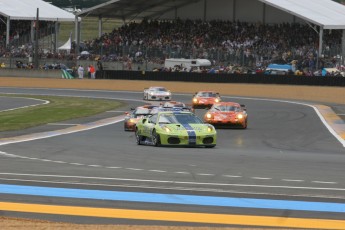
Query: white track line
[[27, 106]]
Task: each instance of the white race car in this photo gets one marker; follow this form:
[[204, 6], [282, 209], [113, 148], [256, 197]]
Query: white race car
[[157, 93]]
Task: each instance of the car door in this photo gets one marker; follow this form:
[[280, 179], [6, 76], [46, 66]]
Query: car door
[[150, 125]]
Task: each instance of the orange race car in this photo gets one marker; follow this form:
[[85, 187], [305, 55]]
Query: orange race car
[[135, 115], [205, 99], [227, 114]]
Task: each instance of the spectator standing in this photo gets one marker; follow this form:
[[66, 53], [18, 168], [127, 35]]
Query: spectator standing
[[89, 71], [100, 69], [81, 72], [92, 72]]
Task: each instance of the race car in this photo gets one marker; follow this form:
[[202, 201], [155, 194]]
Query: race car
[[157, 93], [205, 99], [177, 104], [175, 128], [170, 104], [135, 115], [227, 114]]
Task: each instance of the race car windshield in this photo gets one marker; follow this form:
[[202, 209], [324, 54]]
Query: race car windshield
[[226, 108], [159, 89], [179, 119], [206, 94]]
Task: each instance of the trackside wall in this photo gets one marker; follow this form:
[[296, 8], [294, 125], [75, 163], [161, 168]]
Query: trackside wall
[[222, 78]]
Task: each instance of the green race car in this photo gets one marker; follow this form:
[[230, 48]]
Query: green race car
[[175, 128]]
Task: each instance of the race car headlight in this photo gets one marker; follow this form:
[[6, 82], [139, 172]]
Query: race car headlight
[[217, 100], [151, 93], [195, 100], [166, 129], [208, 115], [131, 120], [240, 116], [210, 129]]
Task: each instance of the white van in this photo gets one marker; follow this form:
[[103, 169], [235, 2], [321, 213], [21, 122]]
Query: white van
[[186, 63]]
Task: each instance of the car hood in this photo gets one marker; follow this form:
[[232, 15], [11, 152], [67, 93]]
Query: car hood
[[228, 113], [197, 128]]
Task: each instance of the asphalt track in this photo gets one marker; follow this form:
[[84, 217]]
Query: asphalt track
[[287, 166]]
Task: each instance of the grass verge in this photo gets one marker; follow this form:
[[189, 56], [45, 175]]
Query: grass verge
[[59, 109]]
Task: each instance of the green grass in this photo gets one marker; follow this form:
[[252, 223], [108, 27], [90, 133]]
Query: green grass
[[89, 28], [59, 109]]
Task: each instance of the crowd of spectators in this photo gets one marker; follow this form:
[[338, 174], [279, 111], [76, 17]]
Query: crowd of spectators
[[225, 43], [20, 45]]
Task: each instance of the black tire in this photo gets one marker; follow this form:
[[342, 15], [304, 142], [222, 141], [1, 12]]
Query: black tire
[[245, 125], [155, 138], [138, 138]]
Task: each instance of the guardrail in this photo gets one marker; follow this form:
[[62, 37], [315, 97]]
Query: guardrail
[[222, 78]]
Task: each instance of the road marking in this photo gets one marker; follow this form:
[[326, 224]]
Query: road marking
[[135, 169], [76, 164], [214, 190], [325, 182], [231, 176], [173, 198], [261, 178], [69, 130], [46, 160], [290, 180], [175, 182], [227, 219], [154, 170], [204, 174], [45, 102], [60, 162]]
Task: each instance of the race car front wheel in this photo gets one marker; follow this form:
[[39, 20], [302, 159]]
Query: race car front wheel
[[138, 138], [155, 138], [245, 125]]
